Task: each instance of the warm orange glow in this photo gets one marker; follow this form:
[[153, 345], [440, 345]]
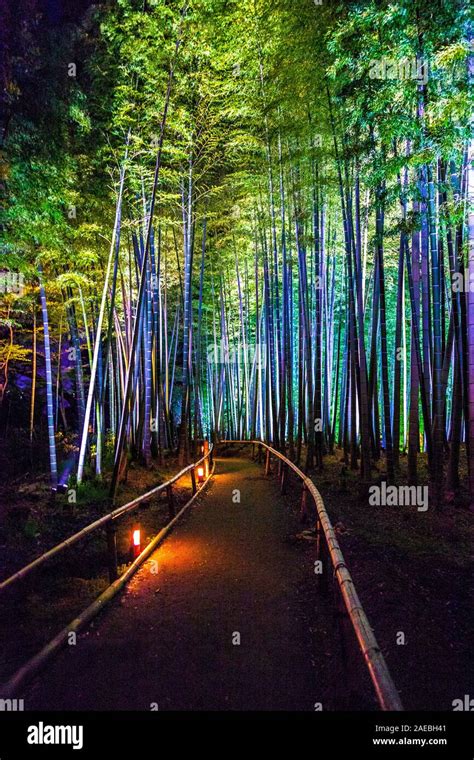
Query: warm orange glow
[[200, 473], [136, 537]]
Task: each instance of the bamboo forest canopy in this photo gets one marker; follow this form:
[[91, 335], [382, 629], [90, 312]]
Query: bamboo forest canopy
[[238, 219]]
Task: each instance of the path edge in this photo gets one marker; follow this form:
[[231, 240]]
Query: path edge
[[38, 661]]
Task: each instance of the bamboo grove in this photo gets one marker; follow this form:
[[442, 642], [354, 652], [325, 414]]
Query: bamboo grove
[[277, 247]]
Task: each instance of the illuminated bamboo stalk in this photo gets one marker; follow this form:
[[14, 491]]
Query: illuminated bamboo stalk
[[49, 383], [97, 347]]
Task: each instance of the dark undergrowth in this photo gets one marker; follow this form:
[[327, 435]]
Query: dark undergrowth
[[33, 521], [413, 571]]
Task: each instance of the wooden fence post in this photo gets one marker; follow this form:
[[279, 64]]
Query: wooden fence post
[[169, 491], [322, 555], [193, 480], [112, 551], [304, 504], [206, 461], [267, 463]]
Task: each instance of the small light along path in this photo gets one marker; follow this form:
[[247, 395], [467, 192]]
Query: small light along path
[[170, 641]]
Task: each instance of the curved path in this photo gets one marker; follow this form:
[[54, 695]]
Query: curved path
[[170, 641]]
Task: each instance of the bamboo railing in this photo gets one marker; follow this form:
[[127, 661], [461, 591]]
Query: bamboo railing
[[328, 549], [108, 522]]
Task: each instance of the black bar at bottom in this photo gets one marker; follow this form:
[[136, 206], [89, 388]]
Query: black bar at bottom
[[128, 734]]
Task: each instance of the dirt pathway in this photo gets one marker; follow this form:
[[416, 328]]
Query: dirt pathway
[[171, 639]]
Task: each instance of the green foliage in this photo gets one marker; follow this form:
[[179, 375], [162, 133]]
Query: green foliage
[[258, 84]]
